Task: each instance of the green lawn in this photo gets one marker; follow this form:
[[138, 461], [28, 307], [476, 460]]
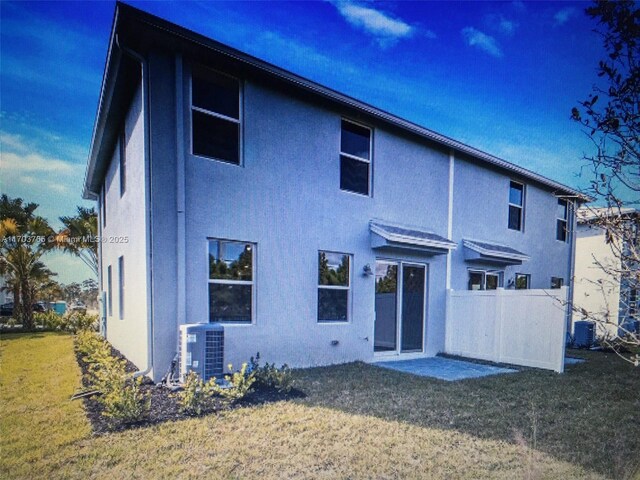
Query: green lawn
[[357, 421]]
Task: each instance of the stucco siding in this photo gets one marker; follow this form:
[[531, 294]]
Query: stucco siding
[[125, 235], [480, 212], [286, 198]]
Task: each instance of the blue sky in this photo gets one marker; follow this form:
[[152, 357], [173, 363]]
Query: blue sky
[[500, 76]]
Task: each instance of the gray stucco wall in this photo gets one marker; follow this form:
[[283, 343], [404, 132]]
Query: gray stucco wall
[[480, 212], [125, 235], [286, 199]]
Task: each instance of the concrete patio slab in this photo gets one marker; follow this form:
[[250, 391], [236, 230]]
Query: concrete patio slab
[[444, 368], [572, 360]]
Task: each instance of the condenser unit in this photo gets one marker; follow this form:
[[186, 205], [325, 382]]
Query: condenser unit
[[201, 350], [583, 334]]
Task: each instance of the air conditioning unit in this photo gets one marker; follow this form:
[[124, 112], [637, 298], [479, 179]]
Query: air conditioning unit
[[583, 334], [201, 350]]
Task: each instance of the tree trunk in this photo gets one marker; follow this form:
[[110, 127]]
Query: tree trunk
[[17, 305], [27, 306]]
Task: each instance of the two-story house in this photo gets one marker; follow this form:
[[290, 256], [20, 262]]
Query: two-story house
[[317, 228]]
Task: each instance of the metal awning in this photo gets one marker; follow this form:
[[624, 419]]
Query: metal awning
[[385, 236], [491, 252]]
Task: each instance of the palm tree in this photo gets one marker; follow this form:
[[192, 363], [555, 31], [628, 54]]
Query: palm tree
[[79, 237], [24, 238]]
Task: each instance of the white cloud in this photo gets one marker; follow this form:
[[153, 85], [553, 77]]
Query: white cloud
[[478, 39], [384, 28], [501, 24], [562, 16], [36, 163]]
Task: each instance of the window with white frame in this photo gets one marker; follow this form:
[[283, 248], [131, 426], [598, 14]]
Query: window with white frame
[[557, 282], [523, 281], [215, 116], [485, 279], [109, 292], [355, 158], [516, 206], [123, 162], [334, 282], [231, 281], [121, 287], [562, 217]]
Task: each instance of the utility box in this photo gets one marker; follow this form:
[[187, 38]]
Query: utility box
[[201, 350]]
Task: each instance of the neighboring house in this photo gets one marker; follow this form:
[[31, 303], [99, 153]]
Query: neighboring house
[[597, 290], [317, 228]]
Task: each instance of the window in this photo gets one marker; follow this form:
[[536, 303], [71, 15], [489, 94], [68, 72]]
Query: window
[[121, 287], [562, 216], [123, 162], [215, 116], [516, 206], [485, 280], [104, 204], [523, 281], [231, 288], [109, 293], [557, 282], [333, 286], [355, 158]]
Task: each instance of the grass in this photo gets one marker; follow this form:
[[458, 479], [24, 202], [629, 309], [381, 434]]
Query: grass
[[357, 421]]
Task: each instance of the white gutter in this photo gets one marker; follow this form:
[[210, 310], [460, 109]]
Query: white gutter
[[452, 161], [147, 161]]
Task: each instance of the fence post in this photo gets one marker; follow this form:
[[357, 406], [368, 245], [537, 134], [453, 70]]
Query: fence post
[[447, 321], [564, 294], [497, 339]]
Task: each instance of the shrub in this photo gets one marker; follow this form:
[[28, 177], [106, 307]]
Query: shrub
[[121, 395], [270, 376], [196, 397], [238, 384], [127, 402], [77, 322], [49, 320]]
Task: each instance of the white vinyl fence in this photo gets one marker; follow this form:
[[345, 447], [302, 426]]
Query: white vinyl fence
[[521, 327]]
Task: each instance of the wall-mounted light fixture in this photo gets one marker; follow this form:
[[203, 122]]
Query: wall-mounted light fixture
[[367, 271]]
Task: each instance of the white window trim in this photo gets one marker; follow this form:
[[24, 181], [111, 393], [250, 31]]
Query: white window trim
[[122, 152], [495, 273], [335, 287], [521, 207], [218, 281], [360, 159], [211, 113], [515, 281], [109, 291], [121, 271], [564, 219]]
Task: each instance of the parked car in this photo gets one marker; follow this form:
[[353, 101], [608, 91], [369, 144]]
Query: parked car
[[78, 306], [6, 309]]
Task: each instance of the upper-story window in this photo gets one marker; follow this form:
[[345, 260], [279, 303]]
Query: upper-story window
[[562, 217], [215, 116], [516, 206], [123, 162], [557, 282], [355, 158]]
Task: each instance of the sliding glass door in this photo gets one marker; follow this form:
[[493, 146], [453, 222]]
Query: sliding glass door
[[400, 306]]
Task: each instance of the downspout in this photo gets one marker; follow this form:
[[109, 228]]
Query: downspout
[[572, 263], [147, 161]]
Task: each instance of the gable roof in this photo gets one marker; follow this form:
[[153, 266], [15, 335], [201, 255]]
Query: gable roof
[[126, 15]]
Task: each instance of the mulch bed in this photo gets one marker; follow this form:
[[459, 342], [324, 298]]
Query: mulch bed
[[164, 402]]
